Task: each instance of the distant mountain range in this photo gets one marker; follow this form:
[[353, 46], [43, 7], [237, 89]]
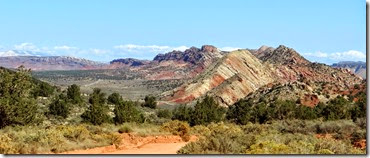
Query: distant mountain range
[[38, 63], [226, 76], [359, 67]]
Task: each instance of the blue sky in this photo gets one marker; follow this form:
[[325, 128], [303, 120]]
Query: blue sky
[[325, 31]]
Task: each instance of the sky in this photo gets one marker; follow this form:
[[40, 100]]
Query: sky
[[324, 31]]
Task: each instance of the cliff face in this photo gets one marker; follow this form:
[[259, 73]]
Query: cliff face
[[228, 80]]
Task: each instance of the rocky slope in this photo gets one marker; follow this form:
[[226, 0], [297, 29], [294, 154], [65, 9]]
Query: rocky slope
[[173, 65], [358, 68], [228, 80], [49, 63], [241, 73]]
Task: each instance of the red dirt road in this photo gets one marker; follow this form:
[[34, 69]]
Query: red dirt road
[[132, 144], [153, 148]]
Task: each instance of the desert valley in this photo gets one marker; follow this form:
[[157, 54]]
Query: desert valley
[[202, 100]]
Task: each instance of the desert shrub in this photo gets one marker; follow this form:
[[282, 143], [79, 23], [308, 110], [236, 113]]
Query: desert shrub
[[114, 139], [6, 145], [334, 147], [97, 112], [125, 129], [359, 109], [179, 128], [361, 122], [279, 137], [207, 111], [295, 126], [200, 130], [222, 139], [182, 113], [115, 99], [42, 89], [74, 94], [268, 147], [336, 109], [150, 102], [358, 135], [59, 106], [282, 109], [339, 126], [165, 113], [240, 112], [56, 139], [74, 133], [126, 111], [305, 113]]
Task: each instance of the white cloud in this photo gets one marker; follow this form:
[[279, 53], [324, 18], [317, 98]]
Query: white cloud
[[66, 48], [143, 51], [99, 51], [148, 48], [229, 48], [26, 47], [351, 55], [181, 48]]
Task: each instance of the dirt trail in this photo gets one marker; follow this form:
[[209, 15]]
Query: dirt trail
[[132, 144]]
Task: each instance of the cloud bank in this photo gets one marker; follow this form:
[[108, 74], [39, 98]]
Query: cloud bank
[[329, 58]]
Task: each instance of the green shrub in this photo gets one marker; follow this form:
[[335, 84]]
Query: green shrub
[[207, 111], [182, 113], [59, 106], [165, 113], [126, 111], [97, 112], [17, 105], [150, 102], [115, 99], [74, 94]]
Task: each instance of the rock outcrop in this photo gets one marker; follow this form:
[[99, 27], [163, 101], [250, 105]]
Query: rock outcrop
[[228, 80], [240, 74], [173, 65]]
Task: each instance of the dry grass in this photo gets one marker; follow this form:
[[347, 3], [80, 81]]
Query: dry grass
[[56, 139]]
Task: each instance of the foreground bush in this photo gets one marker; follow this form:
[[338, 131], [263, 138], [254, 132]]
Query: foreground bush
[[35, 140], [280, 137], [179, 128]]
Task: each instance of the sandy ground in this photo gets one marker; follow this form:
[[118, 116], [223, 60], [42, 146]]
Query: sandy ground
[[132, 144], [153, 148]]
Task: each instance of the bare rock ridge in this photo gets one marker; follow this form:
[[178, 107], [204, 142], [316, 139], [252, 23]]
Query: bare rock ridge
[[230, 79], [240, 73], [173, 65]]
